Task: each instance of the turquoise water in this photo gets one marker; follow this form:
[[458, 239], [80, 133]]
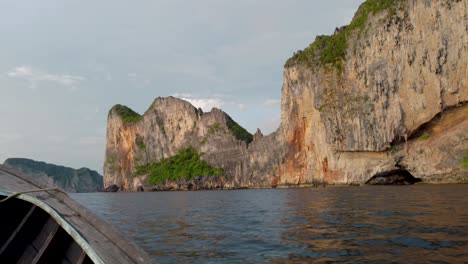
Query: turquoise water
[[370, 224]]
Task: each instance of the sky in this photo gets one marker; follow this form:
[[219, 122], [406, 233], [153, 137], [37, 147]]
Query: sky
[[65, 63]]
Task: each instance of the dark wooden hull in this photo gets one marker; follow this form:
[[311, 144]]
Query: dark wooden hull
[[50, 227], [30, 235]]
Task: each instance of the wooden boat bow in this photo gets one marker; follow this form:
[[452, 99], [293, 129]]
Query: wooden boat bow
[[41, 224]]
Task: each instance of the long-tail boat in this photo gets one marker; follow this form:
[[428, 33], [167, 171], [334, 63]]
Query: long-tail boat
[[42, 224]]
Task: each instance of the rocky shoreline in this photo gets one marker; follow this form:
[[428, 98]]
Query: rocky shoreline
[[199, 184]]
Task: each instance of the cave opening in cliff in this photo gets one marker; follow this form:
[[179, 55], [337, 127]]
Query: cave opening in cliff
[[398, 176]]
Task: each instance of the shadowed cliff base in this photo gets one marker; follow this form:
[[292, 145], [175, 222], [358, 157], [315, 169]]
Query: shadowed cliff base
[[393, 177]]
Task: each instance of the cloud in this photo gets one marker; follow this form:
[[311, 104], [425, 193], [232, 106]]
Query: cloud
[[271, 102], [205, 103], [20, 71], [34, 76]]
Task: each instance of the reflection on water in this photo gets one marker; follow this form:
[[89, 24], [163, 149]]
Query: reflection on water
[[372, 224]]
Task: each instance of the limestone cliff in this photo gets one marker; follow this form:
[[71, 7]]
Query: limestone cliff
[[70, 180], [386, 93], [355, 104], [171, 124]]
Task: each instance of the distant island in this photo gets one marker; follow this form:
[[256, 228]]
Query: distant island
[[381, 101], [68, 179]]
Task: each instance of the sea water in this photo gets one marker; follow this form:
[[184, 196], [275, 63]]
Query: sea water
[[369, 224]]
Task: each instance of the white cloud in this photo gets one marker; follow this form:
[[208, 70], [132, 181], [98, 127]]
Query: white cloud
[[271, 102], [34, 76], [20, 71], [205, 103]]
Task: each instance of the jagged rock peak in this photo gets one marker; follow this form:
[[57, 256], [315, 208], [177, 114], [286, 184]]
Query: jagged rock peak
[[171, 124], [258, 134]]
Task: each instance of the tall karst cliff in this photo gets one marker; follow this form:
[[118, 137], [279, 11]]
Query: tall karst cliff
[[171, 124], [379, 95], [385, 94]]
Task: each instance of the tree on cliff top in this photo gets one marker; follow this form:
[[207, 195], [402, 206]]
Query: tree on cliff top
[[127, 114], [331, 50]]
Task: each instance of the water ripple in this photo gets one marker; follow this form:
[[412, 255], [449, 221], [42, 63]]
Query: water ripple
[[411, 224]]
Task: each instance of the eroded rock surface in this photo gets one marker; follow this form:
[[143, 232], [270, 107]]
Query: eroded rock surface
[[394, 98], [171, 124], [407, 66]]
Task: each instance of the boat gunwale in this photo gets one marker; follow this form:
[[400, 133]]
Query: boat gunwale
[[81, 241], [127, 247]]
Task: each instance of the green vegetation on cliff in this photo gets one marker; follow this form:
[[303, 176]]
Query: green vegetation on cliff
[[465, 160], [425, 136], [127, 114], [331, 50], [185, 165], [139, 142], [213, 129], [239, 132]]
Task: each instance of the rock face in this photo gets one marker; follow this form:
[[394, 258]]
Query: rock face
[[403, 68], [68, 179], [171, 124], [386, 93]]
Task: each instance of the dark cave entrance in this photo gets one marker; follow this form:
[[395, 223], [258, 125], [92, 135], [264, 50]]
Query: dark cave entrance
[[394, 177]]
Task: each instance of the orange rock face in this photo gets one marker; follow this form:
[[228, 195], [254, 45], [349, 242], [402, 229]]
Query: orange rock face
[[344, 125], [403, 74]]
